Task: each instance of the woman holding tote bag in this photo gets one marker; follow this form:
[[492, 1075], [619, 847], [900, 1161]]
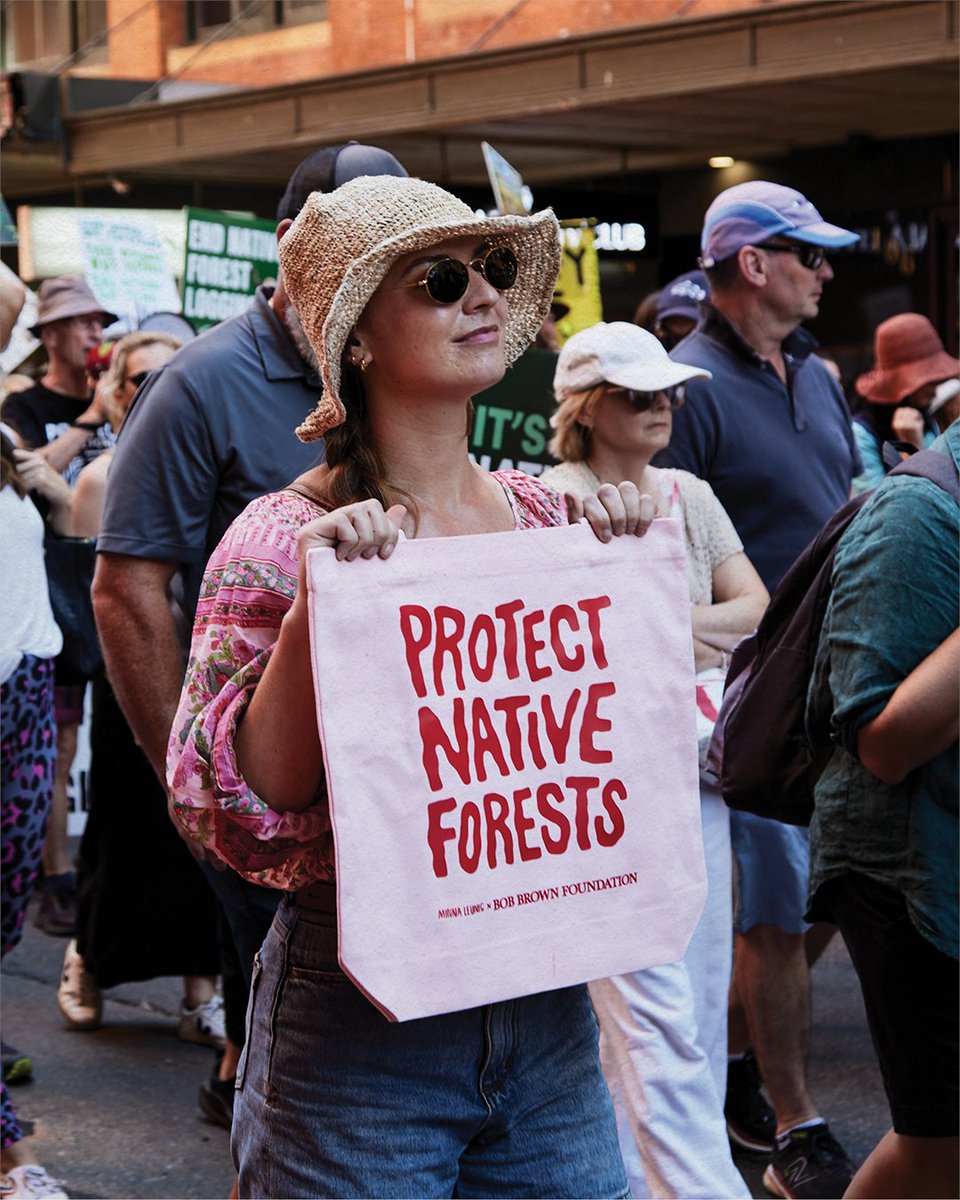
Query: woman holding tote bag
[[413, 304]]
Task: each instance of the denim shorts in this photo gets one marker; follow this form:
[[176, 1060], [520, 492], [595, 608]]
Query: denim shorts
[[773, 872], [335, 1100]]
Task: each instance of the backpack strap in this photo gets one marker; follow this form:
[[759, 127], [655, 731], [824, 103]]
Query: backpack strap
[[934, 465]]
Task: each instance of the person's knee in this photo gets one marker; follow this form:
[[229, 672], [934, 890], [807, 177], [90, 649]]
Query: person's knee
[[766, 940]]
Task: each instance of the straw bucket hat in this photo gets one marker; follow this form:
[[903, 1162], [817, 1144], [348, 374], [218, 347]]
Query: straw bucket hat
[[336, 253], [909, 355]]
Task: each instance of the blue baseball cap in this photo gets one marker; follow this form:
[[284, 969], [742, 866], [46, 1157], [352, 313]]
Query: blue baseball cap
[[750, 213]]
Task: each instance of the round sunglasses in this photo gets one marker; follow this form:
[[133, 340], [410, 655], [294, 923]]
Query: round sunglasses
[[139, 379], [447, 279], [642, 401]]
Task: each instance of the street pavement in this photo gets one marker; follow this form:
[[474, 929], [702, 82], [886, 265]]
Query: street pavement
[[114, 1112]]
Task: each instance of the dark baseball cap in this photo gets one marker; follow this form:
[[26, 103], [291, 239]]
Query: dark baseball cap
[[328, 167], [681, 297]]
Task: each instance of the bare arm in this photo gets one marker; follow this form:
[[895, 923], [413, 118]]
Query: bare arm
[[88, 496], [277, 743], [921, 718], [740, 600], [38, 476], [140, 647], [68, 445]]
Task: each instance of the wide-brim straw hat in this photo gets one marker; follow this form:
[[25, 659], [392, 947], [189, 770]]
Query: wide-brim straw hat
[[336, 253], [909, 355]]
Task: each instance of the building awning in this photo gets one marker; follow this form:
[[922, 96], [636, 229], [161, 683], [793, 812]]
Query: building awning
[[754, 85]]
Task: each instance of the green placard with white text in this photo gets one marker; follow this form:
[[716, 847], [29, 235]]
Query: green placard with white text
[[226, 258]]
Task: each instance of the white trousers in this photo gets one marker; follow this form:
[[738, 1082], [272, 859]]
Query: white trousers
[[663, 1043]]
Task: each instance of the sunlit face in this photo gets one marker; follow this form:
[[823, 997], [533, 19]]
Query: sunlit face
[[415, 346], [619, 428], [793, 290], [69, 341]]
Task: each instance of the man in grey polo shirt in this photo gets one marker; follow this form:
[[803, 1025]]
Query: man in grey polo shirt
[[206, 435]]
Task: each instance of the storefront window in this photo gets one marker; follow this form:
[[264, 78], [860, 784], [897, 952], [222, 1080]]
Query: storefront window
[[235, 18]]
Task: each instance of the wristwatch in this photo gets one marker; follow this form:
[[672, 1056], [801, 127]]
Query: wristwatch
[[88, 426]]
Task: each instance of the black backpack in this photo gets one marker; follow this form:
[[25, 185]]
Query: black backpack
[[767, 760]]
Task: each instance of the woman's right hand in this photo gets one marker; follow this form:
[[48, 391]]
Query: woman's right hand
[[361, 530]]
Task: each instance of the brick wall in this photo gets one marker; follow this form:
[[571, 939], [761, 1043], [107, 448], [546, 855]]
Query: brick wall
[[363, 34], [140, 34]]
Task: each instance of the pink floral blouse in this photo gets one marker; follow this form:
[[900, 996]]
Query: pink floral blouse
[[249, 585]]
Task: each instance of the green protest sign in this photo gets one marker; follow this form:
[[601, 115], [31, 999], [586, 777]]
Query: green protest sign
[[226, 258], [511, 423]]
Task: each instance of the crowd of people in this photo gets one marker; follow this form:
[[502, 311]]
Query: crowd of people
[[208, 852]]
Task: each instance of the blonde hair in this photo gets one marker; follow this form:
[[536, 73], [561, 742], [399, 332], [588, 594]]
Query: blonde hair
[[111, 385], [571, 442]]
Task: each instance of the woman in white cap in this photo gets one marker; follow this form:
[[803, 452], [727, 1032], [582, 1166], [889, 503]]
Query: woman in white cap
[[413, 304], [664, 1030]]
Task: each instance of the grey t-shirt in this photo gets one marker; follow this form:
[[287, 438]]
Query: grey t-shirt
[[209, 432]]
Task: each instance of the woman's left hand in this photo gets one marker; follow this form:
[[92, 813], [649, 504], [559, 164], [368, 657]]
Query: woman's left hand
[[38, 476], [616, 509]]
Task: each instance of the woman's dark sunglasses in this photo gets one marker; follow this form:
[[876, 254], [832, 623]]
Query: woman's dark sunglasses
[[447, 280], [642, 401], [810, 257], [139, 379]]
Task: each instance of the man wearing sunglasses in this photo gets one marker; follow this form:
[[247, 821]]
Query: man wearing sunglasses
[[771, 433], [207, 434]]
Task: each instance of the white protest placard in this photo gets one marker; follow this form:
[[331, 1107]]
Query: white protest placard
[[126, 265], [509, 733]]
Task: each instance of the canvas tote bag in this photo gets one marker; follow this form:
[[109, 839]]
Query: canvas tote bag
[[509, 731]]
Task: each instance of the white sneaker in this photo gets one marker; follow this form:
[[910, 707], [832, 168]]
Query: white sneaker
[[30, 1182], [79, 998], [203, 1024]]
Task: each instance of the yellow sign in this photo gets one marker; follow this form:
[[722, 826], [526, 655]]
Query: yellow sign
[[578, 285]]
